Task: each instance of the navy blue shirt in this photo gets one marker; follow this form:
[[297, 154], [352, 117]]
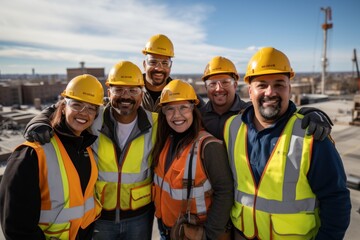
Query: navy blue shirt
[[326, 175], [214, 122]]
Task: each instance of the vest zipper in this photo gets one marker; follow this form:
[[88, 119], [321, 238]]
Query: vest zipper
[[117, 214]]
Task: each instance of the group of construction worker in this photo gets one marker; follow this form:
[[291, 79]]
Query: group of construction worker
[[238, 170]]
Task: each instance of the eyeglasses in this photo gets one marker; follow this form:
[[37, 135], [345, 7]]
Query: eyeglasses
[[224, 83], [164, 63], [120, 91], [81, 106], [169, 110]]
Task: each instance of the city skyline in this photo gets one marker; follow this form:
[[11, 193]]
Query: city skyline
[[52, 36]]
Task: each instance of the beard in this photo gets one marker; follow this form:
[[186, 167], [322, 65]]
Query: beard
[[123, 110], [156, 80], [270, 112]]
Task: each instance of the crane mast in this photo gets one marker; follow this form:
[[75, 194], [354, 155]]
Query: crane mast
[[325, 26]]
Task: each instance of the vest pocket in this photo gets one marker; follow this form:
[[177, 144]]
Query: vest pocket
[[293, 226], [140, 196], [237, 216], [56, 230]]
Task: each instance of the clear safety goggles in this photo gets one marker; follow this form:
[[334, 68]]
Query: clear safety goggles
[[78, 106], [224, 83], [154, 62], [120, 91], [169, 110]]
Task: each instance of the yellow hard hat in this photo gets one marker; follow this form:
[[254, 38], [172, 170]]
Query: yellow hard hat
[[86, 88], [125, 73], [159, 44], [178, 90], [268, 60], [220, 65]]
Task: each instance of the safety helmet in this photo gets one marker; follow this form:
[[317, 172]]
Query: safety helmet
[[125, 73], [86, 88], [159, 44], [220, 65], [178, 90], [268, 60]]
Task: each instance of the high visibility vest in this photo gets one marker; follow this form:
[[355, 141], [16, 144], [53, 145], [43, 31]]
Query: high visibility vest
[[125, 186], [283, 205], [64, 208], [170, 188]]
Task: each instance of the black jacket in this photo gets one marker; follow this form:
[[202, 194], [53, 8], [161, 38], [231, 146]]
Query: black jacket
[[20, 199]]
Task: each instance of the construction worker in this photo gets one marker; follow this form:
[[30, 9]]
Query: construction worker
[[287, 184], [126, 136], [221, 82], [123, 152], [158, 51], [184, 151], [47, 191]]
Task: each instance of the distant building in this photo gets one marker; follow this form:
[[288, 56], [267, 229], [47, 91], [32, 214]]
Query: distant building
[[46, 92], [99, 73], [10, 94]]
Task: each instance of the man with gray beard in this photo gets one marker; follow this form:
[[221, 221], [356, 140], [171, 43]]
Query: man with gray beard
[[287, 183]]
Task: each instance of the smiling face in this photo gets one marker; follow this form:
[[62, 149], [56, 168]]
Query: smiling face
[[270, 95], [157, 70], [221, 91], [79, 115], [179, 115], [125, 101]]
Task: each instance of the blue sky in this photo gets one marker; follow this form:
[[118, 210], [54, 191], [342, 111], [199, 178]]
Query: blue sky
[[51, 36]]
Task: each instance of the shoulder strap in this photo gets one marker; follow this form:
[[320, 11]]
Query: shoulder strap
[[190, 181]]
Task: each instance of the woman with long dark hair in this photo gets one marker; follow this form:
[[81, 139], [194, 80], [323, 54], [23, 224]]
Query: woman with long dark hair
[[192, 177]]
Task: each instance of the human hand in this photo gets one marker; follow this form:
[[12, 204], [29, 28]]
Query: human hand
[[318, 124], [41, 134]]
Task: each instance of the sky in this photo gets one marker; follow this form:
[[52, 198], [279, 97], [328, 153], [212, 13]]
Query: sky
[[50, 36]]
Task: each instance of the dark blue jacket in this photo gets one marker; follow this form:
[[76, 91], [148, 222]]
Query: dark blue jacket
[[326, 175]]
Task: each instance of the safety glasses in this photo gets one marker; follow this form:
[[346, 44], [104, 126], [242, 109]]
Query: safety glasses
[[78, 106], [120, 91], [169, 110], [153, 62], [224, 83]]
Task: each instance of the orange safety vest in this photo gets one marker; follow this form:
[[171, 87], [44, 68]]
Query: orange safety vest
[[170, 188], [64, 208]]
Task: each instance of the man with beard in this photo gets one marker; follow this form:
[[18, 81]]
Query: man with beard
[[221, 81], [287, 184], [158, 52], [126, 134]]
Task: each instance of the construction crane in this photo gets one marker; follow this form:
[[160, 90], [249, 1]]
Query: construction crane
[[356, 109], [355, 61], [325, 26]]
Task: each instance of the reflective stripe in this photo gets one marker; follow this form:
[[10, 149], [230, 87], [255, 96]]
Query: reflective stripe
[[55, 178], [282, 204], [126, 178], [274, 206], [180, 194], [198, 192], [60, 211], [130, 172], [112, 177], [66, 214], [233, 132], [289, 204]]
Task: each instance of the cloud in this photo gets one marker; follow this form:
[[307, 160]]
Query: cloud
[[103, 32]]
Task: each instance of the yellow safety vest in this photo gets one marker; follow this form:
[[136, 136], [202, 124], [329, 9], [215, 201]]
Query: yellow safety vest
[[64, 208], [126, 186], [283, 205]]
